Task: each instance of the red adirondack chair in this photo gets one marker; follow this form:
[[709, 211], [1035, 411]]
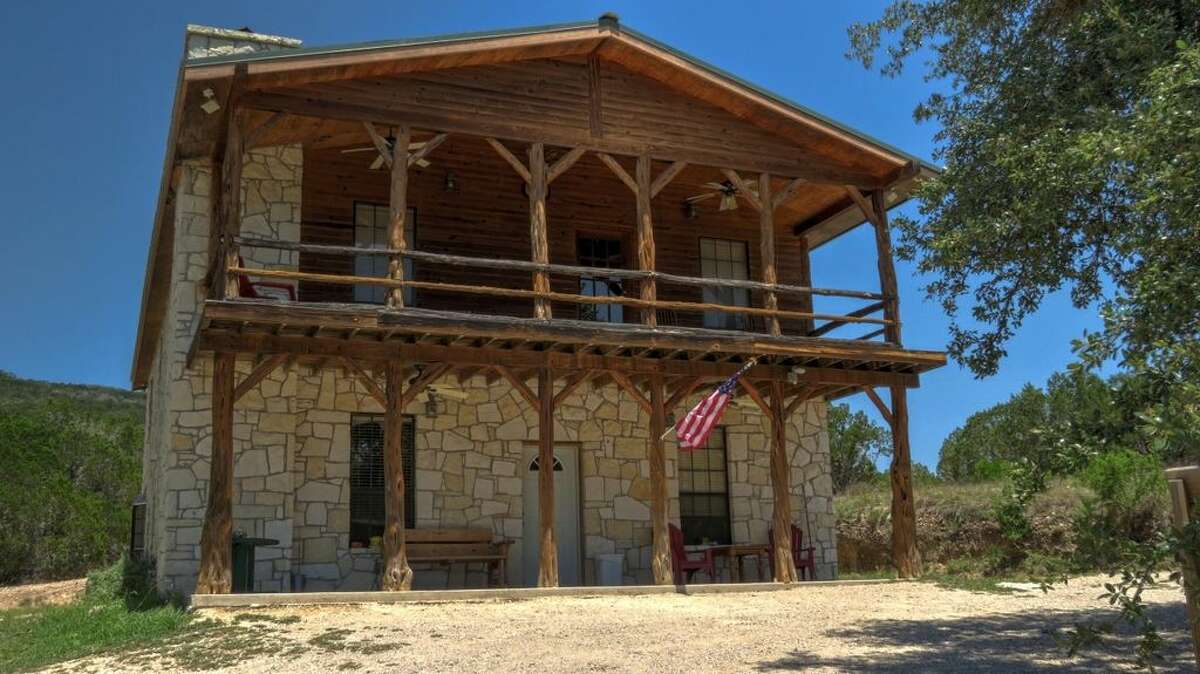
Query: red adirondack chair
[[683, 561], [266, 290], [803, 557]]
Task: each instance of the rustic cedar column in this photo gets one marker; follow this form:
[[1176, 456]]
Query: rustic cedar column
[[646, 252], [781, 487], [660, 559], [538, 239], [805, 268], [904, 517], [397, 574], [216, 539], [231, 202], [766, 235], [548, 561], [398, 208]]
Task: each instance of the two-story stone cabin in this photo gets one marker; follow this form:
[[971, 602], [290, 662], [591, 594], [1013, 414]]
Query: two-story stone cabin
[[390, 281]]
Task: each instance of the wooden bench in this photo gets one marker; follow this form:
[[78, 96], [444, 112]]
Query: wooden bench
[[460, 546]]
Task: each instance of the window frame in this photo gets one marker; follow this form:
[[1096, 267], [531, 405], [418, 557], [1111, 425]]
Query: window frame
[[613, 313], [409, 455], [690, 537], [410, 295], [737, 297]]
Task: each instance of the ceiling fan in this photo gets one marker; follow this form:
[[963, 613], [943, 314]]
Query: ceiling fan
[[441, 391], [391, 143], [726, 191]]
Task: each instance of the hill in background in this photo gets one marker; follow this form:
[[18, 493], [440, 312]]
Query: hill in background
[[70, 455]]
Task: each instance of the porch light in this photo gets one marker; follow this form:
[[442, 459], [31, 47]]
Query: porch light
[[690, 211], [451, 182], [431, 405]]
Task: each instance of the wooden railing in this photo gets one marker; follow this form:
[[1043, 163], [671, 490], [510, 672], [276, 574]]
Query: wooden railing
[[833, 321]]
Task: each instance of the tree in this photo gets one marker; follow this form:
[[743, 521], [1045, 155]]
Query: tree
[[1070, 133], [855, 443]]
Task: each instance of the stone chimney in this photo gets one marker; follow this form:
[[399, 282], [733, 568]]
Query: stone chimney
[[206, 41]]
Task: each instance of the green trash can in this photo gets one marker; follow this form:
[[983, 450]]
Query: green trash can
[[243, 560]]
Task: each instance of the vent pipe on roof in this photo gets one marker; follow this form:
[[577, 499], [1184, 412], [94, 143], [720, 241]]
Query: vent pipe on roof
[[611, 21], [206, 41]]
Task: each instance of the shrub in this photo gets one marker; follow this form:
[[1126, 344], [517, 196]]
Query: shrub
[[1129, 504]]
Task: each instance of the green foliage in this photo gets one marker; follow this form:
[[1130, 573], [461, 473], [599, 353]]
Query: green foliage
[[855, 443], [71, 457], [1130, 505], [108, 617], [1069, 135]]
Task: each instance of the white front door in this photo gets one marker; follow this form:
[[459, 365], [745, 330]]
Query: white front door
[[566, 517]]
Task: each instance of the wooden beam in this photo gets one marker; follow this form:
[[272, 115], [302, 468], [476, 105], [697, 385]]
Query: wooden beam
[[398, 210], [904, 518], [565, 162], [512, 160], [742, 188], [666, 177], [660, 551], [618, 170], [397, 575], [682, 392], [857, 313], [887, 269], [231, 200], [804, 267], [645, 239], [380, 143], [595, 97], [859, 200], [253, 136], [752, 391], [548, 548], [256, 375], [216, 538], [766, 236], [539, 239], [427, 149], [518, 385], [781, 488], [629, 387], [368, 382], [879, 405], [785, 195], [571, 384]]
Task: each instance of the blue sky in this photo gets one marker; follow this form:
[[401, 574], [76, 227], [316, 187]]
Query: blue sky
[[87, 91]]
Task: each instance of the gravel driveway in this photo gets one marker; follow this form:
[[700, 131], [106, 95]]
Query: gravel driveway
[[894, 627]]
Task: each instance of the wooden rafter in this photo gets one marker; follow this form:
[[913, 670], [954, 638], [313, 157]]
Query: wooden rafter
[[518, 384], [629, 387], [565, 162], [785, 195], [682, 391], [367, 381], [861, 201], [429, 375], [879, 404], [571, 384], [619, 170], [666, 177], [755, 395], [509, 157]]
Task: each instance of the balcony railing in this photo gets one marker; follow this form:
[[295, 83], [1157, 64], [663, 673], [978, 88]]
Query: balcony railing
[[806, 319]]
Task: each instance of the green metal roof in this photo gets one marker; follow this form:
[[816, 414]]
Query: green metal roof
[[285, 54]]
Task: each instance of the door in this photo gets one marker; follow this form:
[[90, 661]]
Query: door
[[566, 518]]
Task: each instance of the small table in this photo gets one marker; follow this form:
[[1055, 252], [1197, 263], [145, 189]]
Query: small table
[[737, 552]]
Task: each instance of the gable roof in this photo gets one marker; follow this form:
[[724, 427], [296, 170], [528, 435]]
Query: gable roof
[[879, 163]]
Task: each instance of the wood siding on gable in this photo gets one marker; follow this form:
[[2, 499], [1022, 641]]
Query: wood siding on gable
[[488, 217]]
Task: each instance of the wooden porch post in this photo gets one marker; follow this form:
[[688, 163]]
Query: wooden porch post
[[216, 539], [548, 561], [231, 203], [397, 574], [645, 232], [904, 517], [398, 208], [660, 560], [781, 487], [766, 235], [805, 268], [538, 237]]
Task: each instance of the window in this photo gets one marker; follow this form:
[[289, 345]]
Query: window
[[367, 487], [704, 493], [604, 254], [724, 259], [371, 231]]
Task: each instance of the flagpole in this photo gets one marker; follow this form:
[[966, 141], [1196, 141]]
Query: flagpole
[[749, 364]]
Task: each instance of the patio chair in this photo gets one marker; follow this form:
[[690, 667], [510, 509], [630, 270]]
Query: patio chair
[[804, 558], [264, 290], [684, 562]]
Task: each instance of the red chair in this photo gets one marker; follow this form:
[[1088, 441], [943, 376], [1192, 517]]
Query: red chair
[[683, 562], [803, 557], [264, 290]]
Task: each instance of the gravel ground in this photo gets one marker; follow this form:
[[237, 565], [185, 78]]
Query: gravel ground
[[39, 594], [893, 627]]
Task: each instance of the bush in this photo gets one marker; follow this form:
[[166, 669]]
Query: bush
[[1129, 504]]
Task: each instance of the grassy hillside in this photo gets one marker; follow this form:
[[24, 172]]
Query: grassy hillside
[[71, 460]]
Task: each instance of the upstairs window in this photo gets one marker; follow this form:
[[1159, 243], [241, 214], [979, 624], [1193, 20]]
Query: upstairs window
[[725, 259], [371, 224], [368, 489], [602, 254]]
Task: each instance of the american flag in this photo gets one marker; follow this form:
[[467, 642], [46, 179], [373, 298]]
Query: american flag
[[695, 428]]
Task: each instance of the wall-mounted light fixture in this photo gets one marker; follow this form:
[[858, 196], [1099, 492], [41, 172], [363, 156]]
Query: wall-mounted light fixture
[[690, 211], [451, 184]]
